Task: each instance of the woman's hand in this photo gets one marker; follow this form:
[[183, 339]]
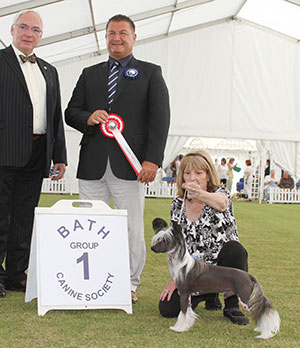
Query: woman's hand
[[168, 291], [215, 200], [193, 189]]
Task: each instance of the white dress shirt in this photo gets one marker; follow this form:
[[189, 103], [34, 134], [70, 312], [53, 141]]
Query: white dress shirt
[[36, 85]]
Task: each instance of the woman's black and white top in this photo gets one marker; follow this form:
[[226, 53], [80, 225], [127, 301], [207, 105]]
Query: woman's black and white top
[[206, 236]]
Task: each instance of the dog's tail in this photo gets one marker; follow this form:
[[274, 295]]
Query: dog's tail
[[266, 317]]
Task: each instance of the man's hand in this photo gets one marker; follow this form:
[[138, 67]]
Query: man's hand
[[58, 166], [97, 117], [148, 172]]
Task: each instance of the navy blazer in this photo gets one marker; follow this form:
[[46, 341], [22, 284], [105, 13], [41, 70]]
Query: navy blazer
[[143, 104], [16, 114]]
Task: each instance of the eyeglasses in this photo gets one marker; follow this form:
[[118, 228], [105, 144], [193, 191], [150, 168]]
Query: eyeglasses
[[25, 27]]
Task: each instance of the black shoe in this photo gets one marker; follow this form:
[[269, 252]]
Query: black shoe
[[197, 299], [17, 286], [236, 316], [213, 303], [2, 291]]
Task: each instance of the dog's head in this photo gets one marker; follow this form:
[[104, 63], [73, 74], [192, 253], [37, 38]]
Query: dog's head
[[165, 239]]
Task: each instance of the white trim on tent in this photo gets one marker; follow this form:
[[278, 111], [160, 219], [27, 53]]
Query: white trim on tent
[[26, 5], [145, 41], [138, 17]]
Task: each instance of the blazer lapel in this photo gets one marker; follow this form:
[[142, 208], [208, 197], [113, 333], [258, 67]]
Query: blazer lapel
[[102, 79], [44, 69], [48, 78], [12, 60]]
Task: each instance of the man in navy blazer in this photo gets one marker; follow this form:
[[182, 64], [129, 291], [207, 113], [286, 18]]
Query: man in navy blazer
[[142, 101], [31, 136]]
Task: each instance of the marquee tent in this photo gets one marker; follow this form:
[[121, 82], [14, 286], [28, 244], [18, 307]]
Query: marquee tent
[[232, 66]]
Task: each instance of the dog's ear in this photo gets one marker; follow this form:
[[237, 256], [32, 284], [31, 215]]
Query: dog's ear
[[159, 224], [176, 228]]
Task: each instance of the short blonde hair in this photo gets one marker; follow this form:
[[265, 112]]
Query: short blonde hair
[[199, 159]]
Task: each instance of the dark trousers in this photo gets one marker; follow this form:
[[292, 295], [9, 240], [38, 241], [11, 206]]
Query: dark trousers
[[233, 254], [20, 189]]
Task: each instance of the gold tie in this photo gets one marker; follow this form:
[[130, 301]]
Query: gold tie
[[31, 59]]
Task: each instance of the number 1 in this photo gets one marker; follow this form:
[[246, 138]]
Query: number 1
[[85, 258]]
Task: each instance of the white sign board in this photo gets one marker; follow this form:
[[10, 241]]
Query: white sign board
[[79, 257]]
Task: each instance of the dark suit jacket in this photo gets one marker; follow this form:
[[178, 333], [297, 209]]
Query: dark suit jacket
[[143, 104], [16, 114]]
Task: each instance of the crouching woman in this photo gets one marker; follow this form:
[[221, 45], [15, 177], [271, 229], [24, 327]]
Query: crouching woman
[[204, 210]]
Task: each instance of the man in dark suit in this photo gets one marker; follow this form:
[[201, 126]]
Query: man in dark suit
[[31, 135], [141, 99]]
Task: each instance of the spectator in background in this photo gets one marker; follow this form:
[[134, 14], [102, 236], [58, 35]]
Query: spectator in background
[[217, 166], [177, 163], [216, 163], [269, 182], [267, 169], [248, 178], [168, 171], [240, 185], [286, 182], [223, 172], [173, 168], [230, 173], [168, 178]]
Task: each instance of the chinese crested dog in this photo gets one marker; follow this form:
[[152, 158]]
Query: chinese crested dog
[[194, 276]]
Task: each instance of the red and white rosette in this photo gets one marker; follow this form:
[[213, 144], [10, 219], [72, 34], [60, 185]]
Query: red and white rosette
[[113, 128]]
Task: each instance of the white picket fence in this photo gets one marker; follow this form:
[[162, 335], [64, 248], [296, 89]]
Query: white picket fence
[[284, 195], [57, 186], [166, 190], [153, 189], [160, 189]]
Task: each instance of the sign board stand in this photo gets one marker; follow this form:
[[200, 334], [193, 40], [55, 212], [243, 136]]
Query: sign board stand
[[79, 258]]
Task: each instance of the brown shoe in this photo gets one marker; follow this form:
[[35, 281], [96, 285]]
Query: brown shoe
[[18, 286], [134, 298], [2, 291]]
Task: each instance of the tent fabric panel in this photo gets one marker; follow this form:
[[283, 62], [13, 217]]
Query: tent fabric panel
[[104, 10], [199, 81], [286, 156], [279, 15], [265, 91], [205, 13], [75, 47]]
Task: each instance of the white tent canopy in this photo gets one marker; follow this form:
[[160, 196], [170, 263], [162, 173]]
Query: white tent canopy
[[231, 66]]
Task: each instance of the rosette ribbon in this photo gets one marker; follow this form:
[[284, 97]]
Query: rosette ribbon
[[113, 128]]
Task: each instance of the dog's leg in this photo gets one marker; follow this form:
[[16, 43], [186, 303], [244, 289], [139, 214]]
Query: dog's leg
[[186, 317], [266, 317]]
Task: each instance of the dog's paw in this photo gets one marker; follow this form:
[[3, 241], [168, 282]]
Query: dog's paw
[[159, 224], [178, 329]]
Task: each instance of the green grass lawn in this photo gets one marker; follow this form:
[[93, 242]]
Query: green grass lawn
[[270, 233]]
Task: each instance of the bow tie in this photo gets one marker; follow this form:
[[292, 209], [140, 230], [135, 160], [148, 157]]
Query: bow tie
[[31, 59]]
